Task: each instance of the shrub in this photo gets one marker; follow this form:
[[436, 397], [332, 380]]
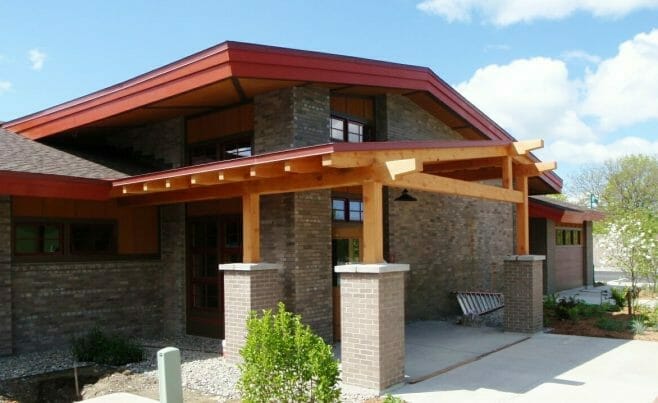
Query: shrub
[[284, 361], [609, 324], [637, 326], [107, 349], [392, 399], [619, 295], [566, 308], [550, 302]]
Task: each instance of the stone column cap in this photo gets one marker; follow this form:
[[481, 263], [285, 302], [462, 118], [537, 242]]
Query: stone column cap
[[249, 266], [524, 258], [371, 268]]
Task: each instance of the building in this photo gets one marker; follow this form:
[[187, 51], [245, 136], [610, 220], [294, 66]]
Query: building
[[278, 165], [562, 232]]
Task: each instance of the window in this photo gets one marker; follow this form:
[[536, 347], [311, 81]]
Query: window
[[220, 149], [347, 210], [64, 238], [568, 237], [346, 130], [37, 239], [92, 238]]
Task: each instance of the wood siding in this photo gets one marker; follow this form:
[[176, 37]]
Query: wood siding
[[358, 107], [234, 120], [138, 228]]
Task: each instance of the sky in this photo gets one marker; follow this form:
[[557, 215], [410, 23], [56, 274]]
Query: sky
[[580, 74]]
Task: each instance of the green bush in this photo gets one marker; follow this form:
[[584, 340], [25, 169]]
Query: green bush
[[619, 295], [285, 362], [610, 324], [550, 302], [107, 349], [637, 326], [392, 399]]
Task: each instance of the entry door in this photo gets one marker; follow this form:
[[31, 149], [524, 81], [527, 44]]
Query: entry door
[[343, 250], [211, 241]]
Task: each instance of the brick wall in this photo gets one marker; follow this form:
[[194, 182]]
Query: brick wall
[[296, 228], [5, 276], [291, 117], [451, 243], [372, 339], [172, 275], [162, 142], [245, 291], [53, 302], [523, 294]]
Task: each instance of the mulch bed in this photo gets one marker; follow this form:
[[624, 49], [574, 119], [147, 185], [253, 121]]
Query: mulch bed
[[587, 327]]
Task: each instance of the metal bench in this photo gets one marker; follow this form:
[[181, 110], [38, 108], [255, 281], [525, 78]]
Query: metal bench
[[474, 303]]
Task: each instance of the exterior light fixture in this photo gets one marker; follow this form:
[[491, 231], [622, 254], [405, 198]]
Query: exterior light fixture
[[406, 197]]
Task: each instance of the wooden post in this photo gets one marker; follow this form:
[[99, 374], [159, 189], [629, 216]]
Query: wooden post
[[522, 218], [373, 226], [250, 228], [508, 178]]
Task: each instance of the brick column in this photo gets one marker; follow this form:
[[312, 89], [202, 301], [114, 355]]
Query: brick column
[[247, 287], [523, 293], [372, 324], [6, 333]]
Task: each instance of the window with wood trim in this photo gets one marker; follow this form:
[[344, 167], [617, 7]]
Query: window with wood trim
[[93, 238], [38, 239], [221, 149], [344, 209], [65, 238], [347, 130], [568, 237]]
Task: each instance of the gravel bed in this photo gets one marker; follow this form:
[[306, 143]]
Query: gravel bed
[[202, 368]]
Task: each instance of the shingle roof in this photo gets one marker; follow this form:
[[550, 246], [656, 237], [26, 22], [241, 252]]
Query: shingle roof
[[562, 205], [19, 154]]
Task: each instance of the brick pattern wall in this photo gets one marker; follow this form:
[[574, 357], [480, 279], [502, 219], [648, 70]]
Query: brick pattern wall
[[5, 276], [312, 266], [291, 117], [407, 121], [172, 275], [162, 141], [372, 334], [53, 302], [245, 291], [296, 228], [451, 243], [523, 295]]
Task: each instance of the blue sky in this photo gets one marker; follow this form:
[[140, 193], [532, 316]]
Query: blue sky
[[581, 74]]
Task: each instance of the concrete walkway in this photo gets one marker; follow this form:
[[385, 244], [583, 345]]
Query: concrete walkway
[[553, 368]]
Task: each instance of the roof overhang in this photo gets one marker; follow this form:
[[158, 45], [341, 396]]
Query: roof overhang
[[55, 186], [561, 214], [234, 72], [411, 165]]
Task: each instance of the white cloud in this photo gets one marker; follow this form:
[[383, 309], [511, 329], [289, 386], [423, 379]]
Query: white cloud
[[507, 12], [531, 98], [581, 55], [5, 86], [572, 151], [623, 89], [37, 58]]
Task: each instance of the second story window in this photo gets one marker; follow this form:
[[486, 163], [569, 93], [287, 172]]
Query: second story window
[[220, 149], [350, 210], [346, 130]]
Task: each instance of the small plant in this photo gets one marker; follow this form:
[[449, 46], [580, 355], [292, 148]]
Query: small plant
[[609, 324], [285, 362], [619, 295], [107, 349], [565, 308], [637, 326], [392, 399], [550, 302]]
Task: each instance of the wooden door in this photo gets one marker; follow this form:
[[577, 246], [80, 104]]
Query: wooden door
[[211, 240]]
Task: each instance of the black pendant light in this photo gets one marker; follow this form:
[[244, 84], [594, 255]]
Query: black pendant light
[[406, 197]]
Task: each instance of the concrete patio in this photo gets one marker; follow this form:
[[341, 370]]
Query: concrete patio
[[550, 368], [433, 347]]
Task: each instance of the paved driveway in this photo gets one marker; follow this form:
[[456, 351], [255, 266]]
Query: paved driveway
[[553, 368]]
